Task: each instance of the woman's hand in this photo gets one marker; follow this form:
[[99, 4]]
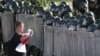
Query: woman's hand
[[30, 31], [26, 36]]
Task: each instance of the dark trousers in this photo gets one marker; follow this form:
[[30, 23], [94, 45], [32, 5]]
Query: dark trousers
[[98, 13]]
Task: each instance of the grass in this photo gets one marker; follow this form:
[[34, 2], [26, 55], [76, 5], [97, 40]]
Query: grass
[[3, 54]]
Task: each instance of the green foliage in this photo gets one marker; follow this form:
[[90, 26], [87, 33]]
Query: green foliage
[[35, 4], [44, 2], [60, 0], [39, 2]]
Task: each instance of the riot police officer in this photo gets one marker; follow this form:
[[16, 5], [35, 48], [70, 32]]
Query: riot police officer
[[76, 5], [98, 8], [92, 5]]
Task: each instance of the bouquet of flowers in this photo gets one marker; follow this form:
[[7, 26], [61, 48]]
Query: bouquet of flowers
[[21, 46]]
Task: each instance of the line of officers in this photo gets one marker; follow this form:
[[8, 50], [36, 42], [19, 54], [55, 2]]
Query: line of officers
[[92, 5]]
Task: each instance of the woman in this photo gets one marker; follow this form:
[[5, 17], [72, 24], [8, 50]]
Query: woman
[[16, 39]]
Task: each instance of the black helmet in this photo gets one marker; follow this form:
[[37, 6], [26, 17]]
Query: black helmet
[[83, 5], [52, 3], [67, 15], [3, 2], [48, 13], [82, 20], [8, 7], [87, 21], [49, 21], [68, 9], [91, 14], [57, 22], [64, 10], [63, 3], [26, 3], [83, 8], [78, 17], [72, 25], [92, 27]]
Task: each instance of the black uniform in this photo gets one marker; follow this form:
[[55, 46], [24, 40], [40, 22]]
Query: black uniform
[[12, 45], [92, 6], [98, 9], [77, 3]]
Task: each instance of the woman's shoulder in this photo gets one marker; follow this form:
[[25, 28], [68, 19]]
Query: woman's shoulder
[[17, 35]]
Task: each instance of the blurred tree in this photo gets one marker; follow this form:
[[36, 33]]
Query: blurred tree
[[39, 2]]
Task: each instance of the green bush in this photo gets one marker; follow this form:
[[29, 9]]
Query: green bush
[[60, 0], [44, 2], [39, 2]]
